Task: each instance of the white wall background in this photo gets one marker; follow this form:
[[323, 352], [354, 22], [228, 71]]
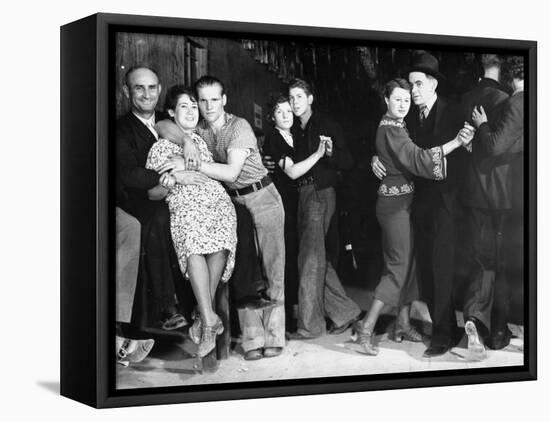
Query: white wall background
[[29, 302]]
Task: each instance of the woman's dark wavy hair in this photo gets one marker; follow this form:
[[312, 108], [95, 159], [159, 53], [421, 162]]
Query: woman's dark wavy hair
[[174, 93], [395, 83], [273, 103]]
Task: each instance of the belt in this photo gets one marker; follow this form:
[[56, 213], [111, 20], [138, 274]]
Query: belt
[[266, 181], [304, 181]]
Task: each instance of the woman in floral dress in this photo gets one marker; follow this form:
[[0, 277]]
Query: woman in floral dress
[[202, 217], [403, 160]]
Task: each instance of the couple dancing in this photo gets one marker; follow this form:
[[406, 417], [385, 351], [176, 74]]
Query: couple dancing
[[202, 216], [402, 160]]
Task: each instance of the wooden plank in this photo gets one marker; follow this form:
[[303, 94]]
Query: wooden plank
[[223, 342]]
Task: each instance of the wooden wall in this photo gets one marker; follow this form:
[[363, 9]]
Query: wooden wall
[[246, 80], [176, 59], [181, 60]]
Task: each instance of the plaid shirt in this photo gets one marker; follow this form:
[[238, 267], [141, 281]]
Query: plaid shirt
[[236, 133]]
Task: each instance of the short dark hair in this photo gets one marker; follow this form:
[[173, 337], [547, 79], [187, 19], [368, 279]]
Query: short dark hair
[[273, 103], [491, 60], [137, 67], [515, 64], [173, 95], [396, 83], [300, 83], [208, 80]]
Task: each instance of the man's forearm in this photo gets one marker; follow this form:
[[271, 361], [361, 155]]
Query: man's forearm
[[221, 172], [299, 169], [167, 129]]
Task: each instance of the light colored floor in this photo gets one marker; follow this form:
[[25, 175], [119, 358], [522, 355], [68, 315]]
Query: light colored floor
[[174, 364], [324, 357]]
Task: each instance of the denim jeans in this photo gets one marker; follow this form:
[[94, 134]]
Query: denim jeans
[[266, 328], [321, 293], [128, 232]]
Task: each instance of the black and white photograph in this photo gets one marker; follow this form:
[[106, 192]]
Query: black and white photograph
[[266, 211], [310, 207]]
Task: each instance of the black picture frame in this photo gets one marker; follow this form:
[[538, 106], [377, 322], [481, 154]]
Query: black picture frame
[[86, 216]]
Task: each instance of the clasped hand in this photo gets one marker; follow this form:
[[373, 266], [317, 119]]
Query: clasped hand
[[325, 145], [466, 134]]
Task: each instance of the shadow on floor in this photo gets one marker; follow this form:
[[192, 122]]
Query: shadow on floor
[[51, 386]]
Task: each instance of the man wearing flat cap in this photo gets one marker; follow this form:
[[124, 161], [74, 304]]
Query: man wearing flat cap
[[432, 121]]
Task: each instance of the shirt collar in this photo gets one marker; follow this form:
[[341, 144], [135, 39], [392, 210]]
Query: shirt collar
[[146, 122], [227, 117], [287, 137]]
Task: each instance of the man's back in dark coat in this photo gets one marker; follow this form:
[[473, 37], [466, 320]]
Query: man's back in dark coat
[[477, 190], [501, 143]]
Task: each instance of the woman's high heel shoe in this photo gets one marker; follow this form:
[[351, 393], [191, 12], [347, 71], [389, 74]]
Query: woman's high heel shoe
[[409, 334], [365, 341], [208, 338]]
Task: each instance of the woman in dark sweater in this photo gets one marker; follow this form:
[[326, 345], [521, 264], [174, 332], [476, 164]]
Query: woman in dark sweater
[[403, 160]]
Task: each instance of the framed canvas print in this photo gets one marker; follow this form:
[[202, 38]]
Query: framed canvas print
[[253, 210]]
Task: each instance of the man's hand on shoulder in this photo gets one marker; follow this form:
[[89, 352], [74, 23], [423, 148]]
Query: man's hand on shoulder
[[167, 129], [191, 154]]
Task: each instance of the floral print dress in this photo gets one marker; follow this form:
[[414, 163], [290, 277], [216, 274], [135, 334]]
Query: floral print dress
[[202, 217]]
